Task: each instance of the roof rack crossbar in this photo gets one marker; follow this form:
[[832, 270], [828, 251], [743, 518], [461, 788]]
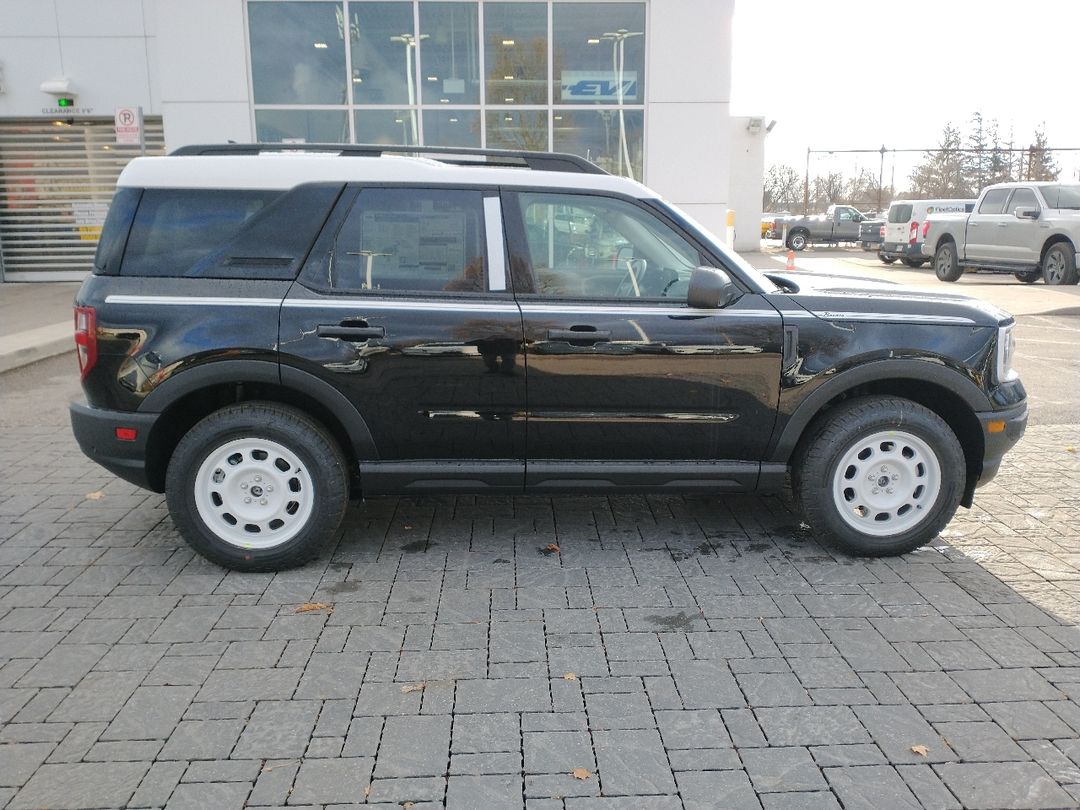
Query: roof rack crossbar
[[460, 156]]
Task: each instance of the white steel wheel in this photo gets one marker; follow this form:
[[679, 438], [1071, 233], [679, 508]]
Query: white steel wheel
[[886, 483], [254, 493]]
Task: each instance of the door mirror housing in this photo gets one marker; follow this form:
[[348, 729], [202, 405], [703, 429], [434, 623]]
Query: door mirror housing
[[1026, 213], [711, 288]]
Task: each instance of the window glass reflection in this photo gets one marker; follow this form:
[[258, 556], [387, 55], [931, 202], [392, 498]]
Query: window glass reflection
[[599, 53], [612, 139], [301, 126], [297, 53], [383, 53], [449, 53], [388, 127], [515, 53], [518, 129], [452, 127]]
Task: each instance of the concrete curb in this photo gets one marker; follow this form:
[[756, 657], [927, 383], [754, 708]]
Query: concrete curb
[[24, 348]]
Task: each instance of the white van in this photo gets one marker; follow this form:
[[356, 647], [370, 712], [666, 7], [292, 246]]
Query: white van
[[903, 228]]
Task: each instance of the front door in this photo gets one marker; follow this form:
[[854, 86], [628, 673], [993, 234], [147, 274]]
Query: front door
[[404, 307], [1020, 238], [627, 384]]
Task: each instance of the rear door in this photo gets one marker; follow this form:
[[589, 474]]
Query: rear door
[[898, 228], [983, 225], [404, 307], [628, 385]]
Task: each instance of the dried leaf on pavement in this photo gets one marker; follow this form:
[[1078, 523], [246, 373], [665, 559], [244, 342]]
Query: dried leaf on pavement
[[310, 607], [95, 496], [552, 548], [413, 687], [581, 773], [921, 750], [569, 676]]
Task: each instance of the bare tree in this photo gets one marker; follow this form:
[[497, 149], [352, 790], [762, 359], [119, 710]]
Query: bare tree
[[1039, 163], [783, 188], [828, 189]]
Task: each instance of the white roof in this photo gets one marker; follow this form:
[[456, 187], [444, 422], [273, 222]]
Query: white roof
[[285, 170]]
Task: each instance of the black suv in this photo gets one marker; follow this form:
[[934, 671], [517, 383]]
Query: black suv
[[267, 333]]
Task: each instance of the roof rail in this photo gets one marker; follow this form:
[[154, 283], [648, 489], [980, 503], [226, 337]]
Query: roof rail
[[460, 156]]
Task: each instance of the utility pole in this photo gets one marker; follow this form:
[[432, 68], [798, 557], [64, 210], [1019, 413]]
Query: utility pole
[[880, 177], [806, 186]]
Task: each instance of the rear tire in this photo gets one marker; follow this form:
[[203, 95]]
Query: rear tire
[[879, 476], [257, 486], [798, 240], [914, 263], [887, 259], [946, 266], [1028, 276], [1059, 264]]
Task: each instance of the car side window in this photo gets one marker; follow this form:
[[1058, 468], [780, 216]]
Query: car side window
[[1022, 198], [847, 214], [583, 246], [411, 240], [993, 201]]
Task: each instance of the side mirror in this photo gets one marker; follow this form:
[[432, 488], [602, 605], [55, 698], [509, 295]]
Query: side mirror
[[1026, 213], [711, 289]]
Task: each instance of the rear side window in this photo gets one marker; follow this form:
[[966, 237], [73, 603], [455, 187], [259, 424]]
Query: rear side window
[[412, 240], [110, 247], [175, 228], [993, 201], [899, 213]]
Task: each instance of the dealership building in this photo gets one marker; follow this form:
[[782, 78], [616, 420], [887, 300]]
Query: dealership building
[[640, 88]]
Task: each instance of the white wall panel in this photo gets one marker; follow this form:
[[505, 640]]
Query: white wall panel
[[687, 151], [19, 18], [188, 122], [689, 56], [202, 51], [27, 63], [100, 18], [107, 72]]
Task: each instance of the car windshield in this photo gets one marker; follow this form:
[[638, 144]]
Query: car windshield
[[1067, 197], [703, 233]]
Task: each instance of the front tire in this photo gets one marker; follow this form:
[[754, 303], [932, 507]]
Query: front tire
[[879, 476], [886, 259], [914, 264], [1028, 276], [257, 486], [1059, 264], [946, 266]]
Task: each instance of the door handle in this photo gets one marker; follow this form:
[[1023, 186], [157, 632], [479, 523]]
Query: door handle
[[350, 332], [583, 334]]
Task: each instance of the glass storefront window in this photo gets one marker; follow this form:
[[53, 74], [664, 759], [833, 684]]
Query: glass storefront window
[[450, 53], [452, 128], [383, 53], [297, 53], [515, 53], [612, 139], [518, 129], [556, 74], [301, 126], [599, 53], [387, 127]]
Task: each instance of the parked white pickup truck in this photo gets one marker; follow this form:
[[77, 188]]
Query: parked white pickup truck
[[1029, 229]]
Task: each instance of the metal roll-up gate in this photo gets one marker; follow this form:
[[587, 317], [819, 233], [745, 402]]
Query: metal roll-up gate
[[56, 180]]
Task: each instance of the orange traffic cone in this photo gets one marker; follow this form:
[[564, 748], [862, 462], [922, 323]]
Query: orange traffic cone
[[790, 261]]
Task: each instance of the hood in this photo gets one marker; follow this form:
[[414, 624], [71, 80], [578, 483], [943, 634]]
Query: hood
[[851, 298]]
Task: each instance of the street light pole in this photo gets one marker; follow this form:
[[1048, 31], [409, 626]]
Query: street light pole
[[410, 42], [618, 63]]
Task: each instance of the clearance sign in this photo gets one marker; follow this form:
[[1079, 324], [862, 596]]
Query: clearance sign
[[598, 85]]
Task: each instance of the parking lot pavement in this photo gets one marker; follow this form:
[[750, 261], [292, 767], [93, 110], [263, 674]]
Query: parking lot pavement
[[576, 653]]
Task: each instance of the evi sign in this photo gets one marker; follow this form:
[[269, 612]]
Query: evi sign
[[598, 85]]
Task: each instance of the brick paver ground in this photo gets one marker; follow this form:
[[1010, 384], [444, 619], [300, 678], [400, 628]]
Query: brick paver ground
[[669, 653]]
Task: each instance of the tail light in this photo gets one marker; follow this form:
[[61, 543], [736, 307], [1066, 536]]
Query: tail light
[[925, 229], [881, 232], [913, 235], [85, 339]]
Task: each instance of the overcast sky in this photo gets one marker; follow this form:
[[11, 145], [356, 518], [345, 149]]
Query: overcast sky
[[865, 73]]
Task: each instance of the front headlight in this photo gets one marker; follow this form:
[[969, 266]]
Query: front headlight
[[1006, 343]]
